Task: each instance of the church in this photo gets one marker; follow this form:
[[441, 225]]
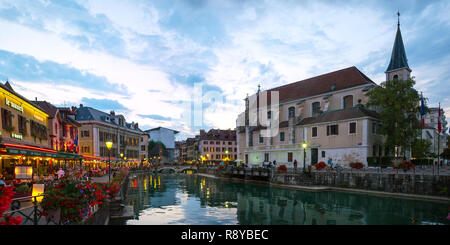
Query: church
[[316, 119]]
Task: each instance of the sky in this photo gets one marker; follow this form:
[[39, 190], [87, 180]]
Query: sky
[[189, 64]]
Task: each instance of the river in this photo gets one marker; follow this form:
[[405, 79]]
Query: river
[[183, 199]]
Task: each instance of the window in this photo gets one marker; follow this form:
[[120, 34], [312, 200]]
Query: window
[[395, 77], [218, 149], [266, 157], [281, 136], [229, 143], [211, 142], [217, 142], [315, 109], [352, 128], [246, 158], [289, 156], [291, 112], [348, 101], [142, 147], [323, 154], [374, 150], [332, 130], [224, 149], [374, 128], [269, 115], [212, 149], [261, 139], [22, 125], [205, 142], [314, 132], [6, 119], [235, 149]]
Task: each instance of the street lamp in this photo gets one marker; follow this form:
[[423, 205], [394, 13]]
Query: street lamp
[[304, 145], [121, 156], [109, 146]]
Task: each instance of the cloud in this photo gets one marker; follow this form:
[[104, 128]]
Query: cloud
[[156, 117], [148, 56]]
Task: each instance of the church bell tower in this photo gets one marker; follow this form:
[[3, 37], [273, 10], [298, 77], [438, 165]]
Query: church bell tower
[[398, 66]]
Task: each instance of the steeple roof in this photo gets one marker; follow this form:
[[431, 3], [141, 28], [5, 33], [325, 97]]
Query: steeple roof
[[398, 57]]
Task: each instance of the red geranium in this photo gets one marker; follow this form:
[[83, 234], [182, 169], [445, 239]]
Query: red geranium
[[319, 166]]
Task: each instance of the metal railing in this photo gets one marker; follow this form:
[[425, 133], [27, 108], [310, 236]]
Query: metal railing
[[30, 214]]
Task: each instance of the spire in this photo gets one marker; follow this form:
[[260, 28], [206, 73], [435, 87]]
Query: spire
[[398, 57]]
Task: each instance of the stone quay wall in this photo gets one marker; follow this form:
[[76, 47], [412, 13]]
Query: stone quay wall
[[394, 183]]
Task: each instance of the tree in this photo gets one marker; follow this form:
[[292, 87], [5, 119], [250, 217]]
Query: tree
[[446, 154], [156, 149], [398, 104], [420, 148]]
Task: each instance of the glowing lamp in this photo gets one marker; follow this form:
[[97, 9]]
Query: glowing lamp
[[304, 145], [38, 189], [109, 144], [121, 154]]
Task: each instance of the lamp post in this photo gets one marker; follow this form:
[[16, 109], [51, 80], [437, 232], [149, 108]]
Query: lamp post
[[109, 146], [304, 145], [121, 156]]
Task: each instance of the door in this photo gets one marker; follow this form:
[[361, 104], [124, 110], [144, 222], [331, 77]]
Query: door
[[314, 155]]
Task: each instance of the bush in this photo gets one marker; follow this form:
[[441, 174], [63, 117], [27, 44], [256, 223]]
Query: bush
[[321, 165], [386, 161], [374, 161], [356, 165], [422, 161], [23, 189]]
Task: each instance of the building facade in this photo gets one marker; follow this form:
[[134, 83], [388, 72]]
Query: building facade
[[167, 137], [326, 113], [25, 139], [217, 145], [430, 130], [98, 127]]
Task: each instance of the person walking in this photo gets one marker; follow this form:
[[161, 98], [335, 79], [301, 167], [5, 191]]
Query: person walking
[[330, 162], [295, 165], [60, 173]]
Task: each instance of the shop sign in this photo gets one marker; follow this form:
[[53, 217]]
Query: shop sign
[[17, 136], [30, 153], [38, 117], [14, 105]]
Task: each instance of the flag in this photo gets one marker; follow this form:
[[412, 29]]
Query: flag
[[422, 110], [439, 119]]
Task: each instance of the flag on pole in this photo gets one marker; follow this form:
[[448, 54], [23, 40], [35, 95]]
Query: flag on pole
[[422, 110], [439, 119]]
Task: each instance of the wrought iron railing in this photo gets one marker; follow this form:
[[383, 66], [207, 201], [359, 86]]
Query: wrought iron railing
[[30, 213]]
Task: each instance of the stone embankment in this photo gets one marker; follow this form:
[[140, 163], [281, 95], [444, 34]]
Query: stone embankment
[[404, 185]]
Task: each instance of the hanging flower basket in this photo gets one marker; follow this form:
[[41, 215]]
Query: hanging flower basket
[[319, 166]]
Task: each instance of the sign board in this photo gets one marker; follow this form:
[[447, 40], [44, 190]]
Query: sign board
[[23, 172]]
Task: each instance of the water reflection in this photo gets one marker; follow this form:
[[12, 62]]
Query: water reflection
[[191, 199]]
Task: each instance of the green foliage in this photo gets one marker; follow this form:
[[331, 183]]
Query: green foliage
[[420, 148], [443, 191], [157, 148], [23, 189], [373, 161], [446, 153], [386, 161], [344, 184], [398, 105], [422, 161]]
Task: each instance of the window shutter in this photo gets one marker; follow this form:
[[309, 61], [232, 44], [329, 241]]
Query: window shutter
[[337, 129], [328, 130]]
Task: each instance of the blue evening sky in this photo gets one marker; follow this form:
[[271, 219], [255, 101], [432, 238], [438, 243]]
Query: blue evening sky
[[154, 61]]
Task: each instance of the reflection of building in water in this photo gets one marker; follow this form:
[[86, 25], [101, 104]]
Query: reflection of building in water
[[279, 210]]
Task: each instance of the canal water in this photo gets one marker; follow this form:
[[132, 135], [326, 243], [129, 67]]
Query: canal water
[[183, 199]]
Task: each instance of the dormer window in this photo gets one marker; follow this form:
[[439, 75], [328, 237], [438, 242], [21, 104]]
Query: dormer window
[[347, 101], [291, 112], [315, 109]]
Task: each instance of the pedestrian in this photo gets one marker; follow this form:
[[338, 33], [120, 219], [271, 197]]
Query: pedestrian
[[295, 165], [2, 183], [330, 162], [274, 163], [60, 173]]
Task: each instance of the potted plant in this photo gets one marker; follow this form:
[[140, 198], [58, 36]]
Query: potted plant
[[356, 165], [22, 191], [319, 166]]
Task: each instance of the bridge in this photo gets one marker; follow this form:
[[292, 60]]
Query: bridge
[[175, 169]]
